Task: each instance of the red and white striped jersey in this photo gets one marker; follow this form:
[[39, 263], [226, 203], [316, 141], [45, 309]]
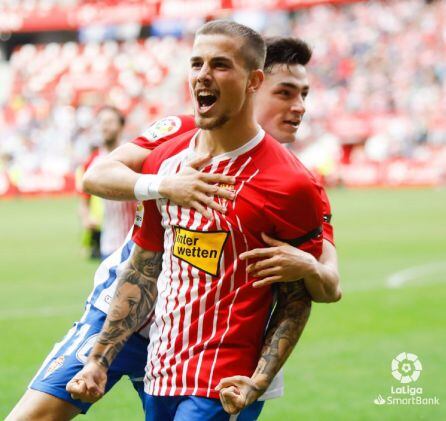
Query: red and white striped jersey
[[209, 321], [167, 128]]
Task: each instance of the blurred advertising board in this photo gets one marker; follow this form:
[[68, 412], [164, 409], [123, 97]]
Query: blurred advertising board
[[397, 173], [35, 184]]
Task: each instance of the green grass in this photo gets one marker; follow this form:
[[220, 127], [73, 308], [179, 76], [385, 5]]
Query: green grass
[[343, 360]]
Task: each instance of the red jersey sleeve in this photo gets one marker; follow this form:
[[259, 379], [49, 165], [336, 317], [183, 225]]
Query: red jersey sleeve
[[165, 129], [151, 234], [327, 228], [301, 218]]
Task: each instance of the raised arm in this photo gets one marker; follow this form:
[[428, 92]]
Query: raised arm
[[134, 299], [287, 323]]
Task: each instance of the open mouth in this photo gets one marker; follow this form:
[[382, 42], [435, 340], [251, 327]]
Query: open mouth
[[206, 99], [292, 123]]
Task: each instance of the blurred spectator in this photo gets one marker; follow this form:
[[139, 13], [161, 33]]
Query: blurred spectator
[[106, 223], [378, 86]]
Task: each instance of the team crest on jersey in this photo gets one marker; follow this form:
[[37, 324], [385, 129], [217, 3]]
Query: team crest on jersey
[[162, 128], [221, 200], [55, 365], [200, 249]]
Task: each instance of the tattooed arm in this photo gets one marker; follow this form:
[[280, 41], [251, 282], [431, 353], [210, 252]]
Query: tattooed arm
[[134, 298], [288, 321]]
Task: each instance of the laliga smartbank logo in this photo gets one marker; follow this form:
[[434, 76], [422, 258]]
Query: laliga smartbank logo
[[201, 249], [406, 368]]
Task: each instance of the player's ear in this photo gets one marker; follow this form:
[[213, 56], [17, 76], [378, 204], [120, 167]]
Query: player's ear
[[255, 81]]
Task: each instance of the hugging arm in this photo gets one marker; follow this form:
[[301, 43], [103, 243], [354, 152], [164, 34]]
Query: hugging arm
[[281, 262], [285, 328]]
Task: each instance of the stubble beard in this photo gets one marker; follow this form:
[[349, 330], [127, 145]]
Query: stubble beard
[[110, 141], [213, 123]]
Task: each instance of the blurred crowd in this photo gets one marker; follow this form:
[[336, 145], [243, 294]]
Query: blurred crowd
[[49, 121], [42, 5], [378, 77], [378, 88]]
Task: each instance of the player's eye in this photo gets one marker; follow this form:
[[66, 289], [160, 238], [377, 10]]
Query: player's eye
[[195, 64], [284, 93], [221, 65]]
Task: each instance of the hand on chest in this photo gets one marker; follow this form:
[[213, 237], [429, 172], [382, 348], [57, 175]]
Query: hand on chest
[[207, 243]]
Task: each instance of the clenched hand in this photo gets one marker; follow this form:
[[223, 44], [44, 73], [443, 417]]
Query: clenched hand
[[237, 392], [89, 384]]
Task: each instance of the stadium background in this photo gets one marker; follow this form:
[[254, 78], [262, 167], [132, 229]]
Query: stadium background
[[375, 130]]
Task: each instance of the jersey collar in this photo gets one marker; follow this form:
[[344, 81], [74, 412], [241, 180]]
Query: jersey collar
[[251, 144]]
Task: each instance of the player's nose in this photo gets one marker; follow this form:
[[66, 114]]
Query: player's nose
[[204, 75], [298, 106]]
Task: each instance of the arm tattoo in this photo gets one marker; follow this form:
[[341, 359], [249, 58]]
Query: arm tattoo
[[287, 324], [134, 299]]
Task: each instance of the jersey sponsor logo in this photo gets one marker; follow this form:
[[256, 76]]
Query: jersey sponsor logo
[[201, 249], [55, 365], [162, 128]]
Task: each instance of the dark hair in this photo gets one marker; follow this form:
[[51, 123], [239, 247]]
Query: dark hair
[[286, 50], [254, 49], [118, 113]]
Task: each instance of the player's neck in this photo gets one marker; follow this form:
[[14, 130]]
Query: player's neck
[[232, 135]]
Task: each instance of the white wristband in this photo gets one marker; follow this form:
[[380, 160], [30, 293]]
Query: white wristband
[[147, 187]]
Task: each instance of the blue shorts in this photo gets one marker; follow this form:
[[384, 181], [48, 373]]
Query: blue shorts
[[69, 356], [194, 408]]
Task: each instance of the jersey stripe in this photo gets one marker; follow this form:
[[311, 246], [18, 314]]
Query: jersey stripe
[[227, 256]]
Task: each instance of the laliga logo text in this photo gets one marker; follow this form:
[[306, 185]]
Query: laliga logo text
[[406, 368]]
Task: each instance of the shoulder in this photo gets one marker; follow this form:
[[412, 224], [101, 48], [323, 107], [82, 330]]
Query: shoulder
[[164, 129], [167, 150], [284, 169]]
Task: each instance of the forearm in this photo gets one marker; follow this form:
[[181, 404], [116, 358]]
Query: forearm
[[111, 180], [322, 283], [322, 279], [287, 324], [134, 299]]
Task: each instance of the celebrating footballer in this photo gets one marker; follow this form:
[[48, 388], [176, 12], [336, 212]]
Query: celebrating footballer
[[214, 287]]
